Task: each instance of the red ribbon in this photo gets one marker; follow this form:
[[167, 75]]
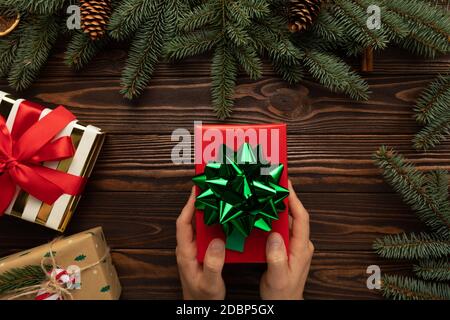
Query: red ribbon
[[31, 142]]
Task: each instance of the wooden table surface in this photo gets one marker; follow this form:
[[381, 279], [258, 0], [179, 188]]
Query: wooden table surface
[[136, 192]]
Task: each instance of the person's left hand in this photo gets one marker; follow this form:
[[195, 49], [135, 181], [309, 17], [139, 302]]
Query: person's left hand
[[198, 282]]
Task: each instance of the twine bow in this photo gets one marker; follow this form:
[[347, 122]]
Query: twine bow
[[58, 283]]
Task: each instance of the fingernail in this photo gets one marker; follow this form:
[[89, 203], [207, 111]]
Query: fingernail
[[274, 242], [217, 246]]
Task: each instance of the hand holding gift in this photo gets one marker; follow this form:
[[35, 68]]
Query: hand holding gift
[[286, 273]]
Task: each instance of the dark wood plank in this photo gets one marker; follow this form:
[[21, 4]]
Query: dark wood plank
[[339, 221], [152, 274], [319, 163], [110, 62], [171, 103]]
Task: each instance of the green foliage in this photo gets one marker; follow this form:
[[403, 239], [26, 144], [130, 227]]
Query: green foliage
[[81, 49], [35, 45], [437, 270], [427, 194], [335, 74], [147, 47], [433, 134], [406, 288], [130, 15], [433, 111], [224, 27], [429, 27], [412, 185], [8, 51], [353, 19], [223, 73], [41, 7], [21, 277], [243, 32], [412, 246]]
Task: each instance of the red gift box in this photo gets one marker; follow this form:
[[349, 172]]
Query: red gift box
[[272, 138]]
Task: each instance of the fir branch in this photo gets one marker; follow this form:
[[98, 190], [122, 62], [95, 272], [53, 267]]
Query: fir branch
[[434, 101], [405, 288], [81, 49], [33, 51], [185, 45], [199, 17], [41, 7], [429, 27], [411, 185], [394, 24], [8, 51], [354, 22], [327, 28], [438, 270], [432, 134], [437, 182], [249, 60], [130, 15], [146, 50], [223, 73], [335, 74], [18, 278], [291, 72], [412, 246], [423, 14]]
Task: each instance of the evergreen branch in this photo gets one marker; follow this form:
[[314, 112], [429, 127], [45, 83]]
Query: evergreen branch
[[41, 7], [432, 134], [185, 45], [438, 270], [81, 50], [18, 278], [437, 182], [145, 51], [197, 18], [405, 288], [290, 72], [327, 28], [335, 74], [395, 24], [423, 14], [249, 60], [412, 246], [34, 48], [8, 51], [353, 20], [130, 15], [223, 73], [435, 101], [411, 185]]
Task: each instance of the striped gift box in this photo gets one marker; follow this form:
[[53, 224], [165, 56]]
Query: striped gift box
[[87, 141]]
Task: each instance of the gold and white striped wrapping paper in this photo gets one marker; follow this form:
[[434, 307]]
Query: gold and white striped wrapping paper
[[87, 140]]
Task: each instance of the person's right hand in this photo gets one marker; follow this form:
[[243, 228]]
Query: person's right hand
[[199, 282], [285, 277]]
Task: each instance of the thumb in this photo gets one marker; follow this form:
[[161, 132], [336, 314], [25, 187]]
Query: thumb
[[277, 260], [214, 261]]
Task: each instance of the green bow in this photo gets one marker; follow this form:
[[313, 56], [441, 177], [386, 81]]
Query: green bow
[[237, 195]]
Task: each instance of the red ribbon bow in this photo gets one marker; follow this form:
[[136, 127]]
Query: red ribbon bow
[[31, 142]]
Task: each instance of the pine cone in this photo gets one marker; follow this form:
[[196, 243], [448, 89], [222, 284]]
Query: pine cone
[[302, 14], [95, 15]]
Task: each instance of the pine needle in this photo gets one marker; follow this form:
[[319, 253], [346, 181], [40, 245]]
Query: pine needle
[[406, 288], [437, 270], [412, 246]]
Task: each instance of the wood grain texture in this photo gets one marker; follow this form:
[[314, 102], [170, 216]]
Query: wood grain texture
[[339, 221], [171, 103], [136, 192], [334, 275], [316, 163]]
